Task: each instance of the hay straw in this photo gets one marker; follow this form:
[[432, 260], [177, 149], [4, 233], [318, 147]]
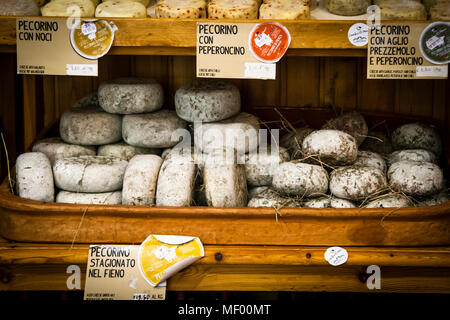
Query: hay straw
[[11, 185]]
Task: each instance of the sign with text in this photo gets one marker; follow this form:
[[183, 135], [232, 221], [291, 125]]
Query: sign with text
[[44, 47], [226, 50], [394, 52]]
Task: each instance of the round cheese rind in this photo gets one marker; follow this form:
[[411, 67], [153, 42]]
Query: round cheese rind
[[207, 101], [271, 199], [260, 166], [440, 11], [69, 8], [88, 100], [139, 183], [19, 8], [233, 9], [328, 202], [106, 198], [356, 183], [370, 159], [352, 123], [347, 7], [90, 126], [121, 9], [92, 174], [411, 154], [416, 178], [402, 10], [417, 136], [34, 177], [390, 201], [130, 95], [56, 148], [284, 9], [124, 151], [153, 130], [180, 9]]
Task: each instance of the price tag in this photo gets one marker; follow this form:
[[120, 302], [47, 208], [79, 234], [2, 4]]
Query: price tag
[[259, 70], [81, 69]]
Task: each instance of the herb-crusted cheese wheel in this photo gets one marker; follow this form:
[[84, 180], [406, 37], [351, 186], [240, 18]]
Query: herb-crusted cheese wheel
[[68, 8], [180, 9], [412, 154], [402, 10], [391, 201], [90, 126], [284, 9], [352, 123], [260, 166], [56, 148], [89, 198], [370, 159], [89, 174], [124, 151], [176, 179], [377, 142], [239, 132], [300, 179], [233, 9], [293, 141], [121, 9], [329, 202], [130, 95], [416, 178], [19, 8], [331, 146], [207, 101], [347, 7], [271, 199], [356, 183], [34, 177], [417, 136], [139, 183], [440, 11]]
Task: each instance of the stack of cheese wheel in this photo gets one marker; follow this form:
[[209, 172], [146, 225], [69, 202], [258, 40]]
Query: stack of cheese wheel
[[233, 9], [180, 9], [284, 9], [402, 10]]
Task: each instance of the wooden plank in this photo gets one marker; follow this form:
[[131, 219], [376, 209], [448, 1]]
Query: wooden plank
[[301, 82], [29, 109]]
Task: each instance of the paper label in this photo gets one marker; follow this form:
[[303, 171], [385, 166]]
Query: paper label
[[81, 70], [257, 70], [394, 52], [358, 34], [43, 47], [336, 256]]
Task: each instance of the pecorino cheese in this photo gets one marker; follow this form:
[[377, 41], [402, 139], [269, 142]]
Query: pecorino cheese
[[260, 166], [124, 151], [139, 183], [284, 9], [411, 154], [68, 8], [329, 202], [106, 198], [56, 148], [207, 101], [233, 9], [121, 9], [180, 9], [19, 8], [440, 11], [153, 130], [434, 200], [144, 2], [34, 177], [90, 126], [347, 7], [370, 159], [402, 10], [352, 123], [90, 174], [417, 136], [390, 201], [130, 95], [271, 199], [88, 100]]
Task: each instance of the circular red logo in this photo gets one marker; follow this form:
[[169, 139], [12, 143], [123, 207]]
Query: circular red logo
[[269, 41]]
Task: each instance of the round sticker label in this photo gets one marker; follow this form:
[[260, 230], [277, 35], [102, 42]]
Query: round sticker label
[[269, 41], [435, 42], [336, 256], [358, 34]]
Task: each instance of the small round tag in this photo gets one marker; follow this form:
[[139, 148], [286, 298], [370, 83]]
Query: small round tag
[[336, 256]]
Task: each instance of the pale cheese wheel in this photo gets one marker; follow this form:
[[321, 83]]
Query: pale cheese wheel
[[347, 7], [144, 2], [271, 199], [402, 10], [92, 174], [352, 123], [121, 9], [19, 8], [260, 165], [440, 11], [390, 201], [34, 177], [417, 136], [412, 154], [180, 9], [106, 198], [130, 95], [233, 9], [370, 159], [124, 151], [56, 148], [90, 126], [207, 101], [153, 130], [328, 202], [139, 183], [69, 8], [284, 9]]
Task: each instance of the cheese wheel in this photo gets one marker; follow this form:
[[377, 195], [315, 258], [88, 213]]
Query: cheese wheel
[[176, 179], [34, 177], [207, 101], [153, 130], [106, 198], [347, 7], [417, 136], [271, 199], [180, 9], [19, 8], [412, 154], [121, 9], [69, 8], [56, 148], [434, 200], [402, 10], [284, 9], [390, 201], [144, 2], [124, 151], [90, 174], [233, 9], [370, 159], [130, 95], [88, 100], [440, 11], [352, 123], [260, 166], [139, 184], [90, 126], [328, 202]]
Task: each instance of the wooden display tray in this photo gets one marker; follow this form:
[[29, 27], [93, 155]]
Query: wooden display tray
[[33, 221]]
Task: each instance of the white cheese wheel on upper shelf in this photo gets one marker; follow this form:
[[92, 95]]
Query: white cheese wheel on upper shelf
[[121, 9], [284, 9], [233, 9], [106, 198], [67, 8], [180, 9], [347, 7], [19, 8], [402, 10]]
